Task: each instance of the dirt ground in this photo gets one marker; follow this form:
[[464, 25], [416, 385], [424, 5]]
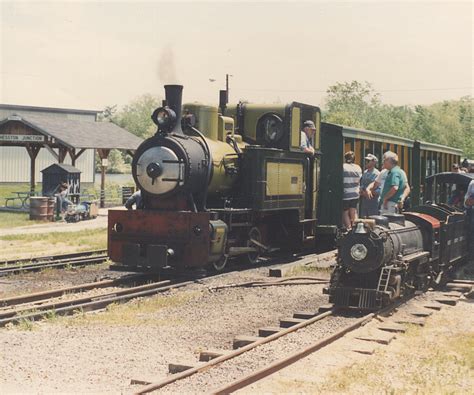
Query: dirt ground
[[102, 352], [54, 278], [435, 359]]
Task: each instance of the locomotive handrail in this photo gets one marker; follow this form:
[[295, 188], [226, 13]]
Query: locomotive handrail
[[209, 165]]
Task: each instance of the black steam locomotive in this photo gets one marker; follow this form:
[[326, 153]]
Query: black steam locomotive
[[387, 257], [217, 186]]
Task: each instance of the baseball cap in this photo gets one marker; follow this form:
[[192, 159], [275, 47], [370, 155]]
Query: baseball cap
[[371, 157], [309, 124]]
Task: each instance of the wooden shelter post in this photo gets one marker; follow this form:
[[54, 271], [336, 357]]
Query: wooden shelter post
[[33, 151], [62, 154], [74, 156], [103, 155]]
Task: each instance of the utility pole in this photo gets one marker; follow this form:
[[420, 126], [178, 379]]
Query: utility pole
[[227, 86]]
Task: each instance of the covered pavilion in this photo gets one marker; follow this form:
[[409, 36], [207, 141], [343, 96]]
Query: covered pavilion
[[63, 136]]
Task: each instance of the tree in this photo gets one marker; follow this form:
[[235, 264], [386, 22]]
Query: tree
[[136, 116], [351, 103], [356, 104]]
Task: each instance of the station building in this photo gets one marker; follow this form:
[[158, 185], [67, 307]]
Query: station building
[[15, 161]]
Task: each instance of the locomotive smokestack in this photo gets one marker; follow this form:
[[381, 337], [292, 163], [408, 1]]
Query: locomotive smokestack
[[174, 95]]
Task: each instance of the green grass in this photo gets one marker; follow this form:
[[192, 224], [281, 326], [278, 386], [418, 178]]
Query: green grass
[[37, 244], [429, 368], [138, 311], [7, 189], [92, 238], [303, 270], [14, 220]]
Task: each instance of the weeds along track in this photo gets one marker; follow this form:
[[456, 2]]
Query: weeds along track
[[33, 307], [55, 261], [275, 348]]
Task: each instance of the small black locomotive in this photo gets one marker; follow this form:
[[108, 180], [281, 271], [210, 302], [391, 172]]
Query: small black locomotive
[[387, 257]]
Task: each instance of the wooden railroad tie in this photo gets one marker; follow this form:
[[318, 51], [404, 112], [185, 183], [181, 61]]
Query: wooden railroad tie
[[381, 337], [243, 340], [207, 355], [289, 322], [268, 331]]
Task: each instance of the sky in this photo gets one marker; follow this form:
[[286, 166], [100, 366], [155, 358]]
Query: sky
[[88, 55]]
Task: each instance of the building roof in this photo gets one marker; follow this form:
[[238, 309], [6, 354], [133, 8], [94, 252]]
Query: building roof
[[48, 109], [61, 166], [80, 133]]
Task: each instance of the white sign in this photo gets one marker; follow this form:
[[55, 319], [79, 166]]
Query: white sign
[[20, 137]]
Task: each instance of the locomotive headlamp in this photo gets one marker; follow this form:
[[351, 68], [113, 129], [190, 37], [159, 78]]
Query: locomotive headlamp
[[270, 128], [358, 252], [164, 118]]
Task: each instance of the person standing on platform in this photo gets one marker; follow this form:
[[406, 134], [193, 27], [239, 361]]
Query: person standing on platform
[[379, 182], [394, 185], [369, 205], [351, 179]]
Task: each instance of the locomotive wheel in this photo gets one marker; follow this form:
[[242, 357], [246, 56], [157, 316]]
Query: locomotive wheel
[[254, 234], [220, 264]]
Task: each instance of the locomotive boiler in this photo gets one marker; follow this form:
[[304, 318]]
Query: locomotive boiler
[[217, 186], [384, 258]]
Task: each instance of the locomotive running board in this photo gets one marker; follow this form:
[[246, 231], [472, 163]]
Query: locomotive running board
[[416, 255]]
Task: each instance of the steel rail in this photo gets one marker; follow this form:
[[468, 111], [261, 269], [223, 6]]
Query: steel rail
[[38, 296], [282, 363], [77, 261], [179, 376], [52, 257], [89, 303]]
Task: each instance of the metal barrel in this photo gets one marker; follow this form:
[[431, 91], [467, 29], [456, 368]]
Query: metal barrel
[[51, 207], [39, 208]]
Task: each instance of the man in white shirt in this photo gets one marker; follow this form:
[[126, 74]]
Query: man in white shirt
[[308, 132]]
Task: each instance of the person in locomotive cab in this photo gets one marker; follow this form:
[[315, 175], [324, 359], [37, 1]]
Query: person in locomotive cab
[[394, 185], [308, 132], [135, 199], [369, 205], [350, 199]]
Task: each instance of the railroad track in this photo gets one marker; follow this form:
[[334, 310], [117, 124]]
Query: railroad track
[[45, 302], [38, 305], [55, 261], [219, 361]]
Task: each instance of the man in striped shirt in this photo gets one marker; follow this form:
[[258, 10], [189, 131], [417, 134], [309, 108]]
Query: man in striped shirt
[[350, 199]]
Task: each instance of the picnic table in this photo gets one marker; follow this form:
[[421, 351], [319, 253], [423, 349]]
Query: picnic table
[[22, 197]]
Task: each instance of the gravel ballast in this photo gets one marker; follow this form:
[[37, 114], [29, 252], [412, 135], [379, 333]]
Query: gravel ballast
[[102, 352], [257, 358]]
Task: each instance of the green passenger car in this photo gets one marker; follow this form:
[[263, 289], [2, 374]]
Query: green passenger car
[[418, 159]]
